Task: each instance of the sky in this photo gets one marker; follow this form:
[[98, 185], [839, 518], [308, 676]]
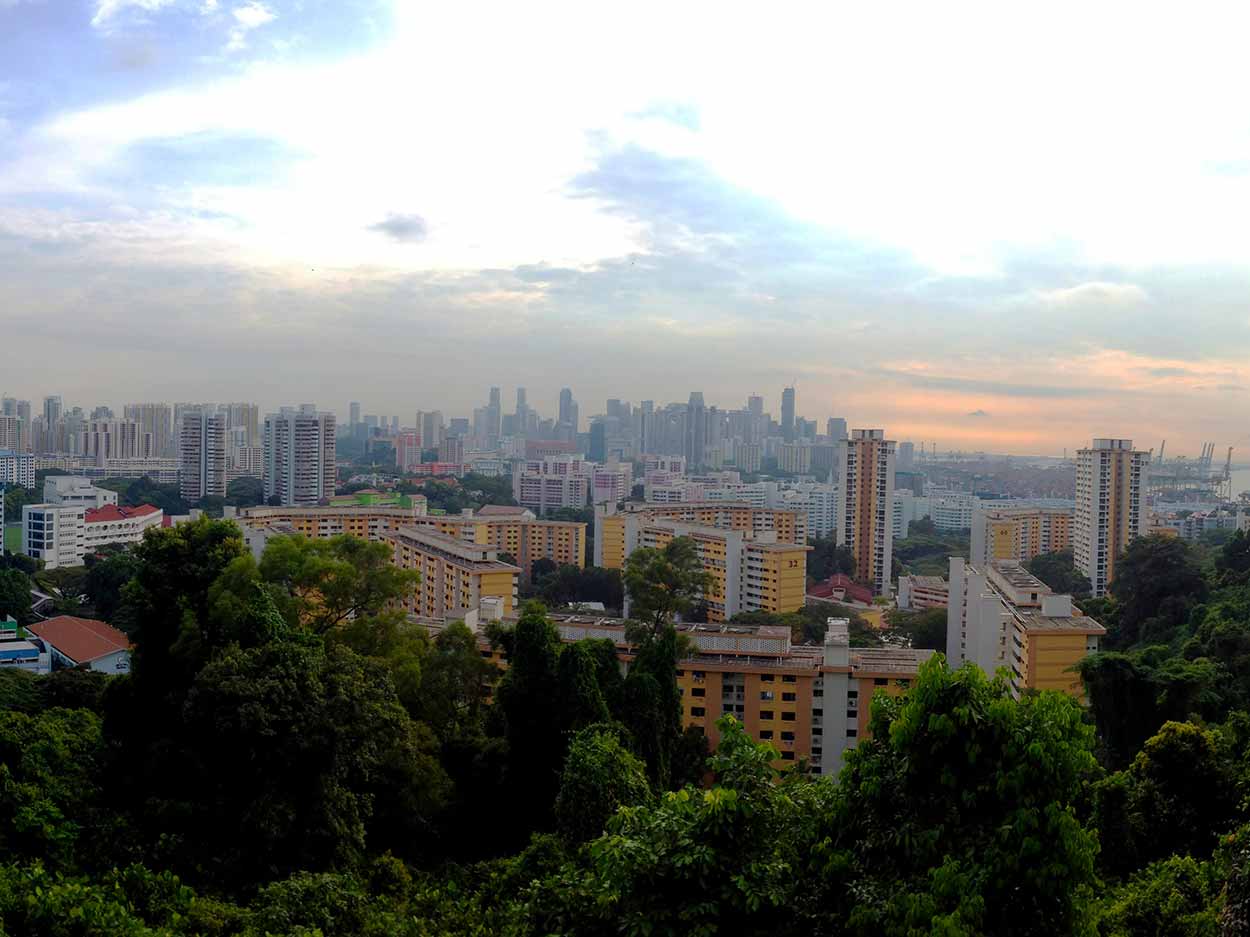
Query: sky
[[993, 226]]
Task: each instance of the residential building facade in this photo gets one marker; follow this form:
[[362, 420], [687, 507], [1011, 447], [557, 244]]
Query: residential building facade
[[299, 456], [865, 510], [1110, 507]]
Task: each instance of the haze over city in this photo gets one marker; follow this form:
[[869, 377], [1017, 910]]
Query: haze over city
[[1029, 246]]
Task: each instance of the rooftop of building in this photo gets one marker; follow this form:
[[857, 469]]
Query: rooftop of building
[[1018, 577], [502, 510], [482, 558], [927, 582], [80, 639], [111, 512], [1033, 620]]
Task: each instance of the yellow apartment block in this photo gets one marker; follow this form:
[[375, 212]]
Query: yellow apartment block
[[1020, 534], [616, 532], [520, 535], [747, 574], [456, 577], [514, 531], [1048, 649], [810, 702], [359, 520]]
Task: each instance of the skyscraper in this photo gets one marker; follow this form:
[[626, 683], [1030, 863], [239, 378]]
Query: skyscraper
[[835, 428], [568, 410], [755, 405], [51, 412], [696, 430], [494, 425], [787, 414], [353, 413], [1110, 507], [865, 506], [299, 455], [203, 455], [430, 424]]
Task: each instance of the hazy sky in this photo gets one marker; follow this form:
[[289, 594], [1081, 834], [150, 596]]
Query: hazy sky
[[993, 228]]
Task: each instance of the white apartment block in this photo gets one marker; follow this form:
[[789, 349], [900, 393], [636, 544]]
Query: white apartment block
[[202, 451], [17, 468], [116, 439], [916, 593], [299, 466], [612, 482], [1110, 507], [11, 434], [55, 534]]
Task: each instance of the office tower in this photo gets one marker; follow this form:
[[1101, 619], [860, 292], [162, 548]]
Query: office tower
[[1110, 507], [696, 430], [568, 415], [203, 455], [494, 425], [906, 456], [755, 405], [835, 428], [353, 413], [102, 413], [51, 411], [157, 419], [522, 411], [8, 406], [395, 425], [598, 440], [865, 511], [299, 456], [430, 425], [787, 414]]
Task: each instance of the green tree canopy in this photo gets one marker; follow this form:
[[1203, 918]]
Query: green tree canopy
[[1157, 581], [600, 775], [959, 814], [1058, 570], [665, 583]]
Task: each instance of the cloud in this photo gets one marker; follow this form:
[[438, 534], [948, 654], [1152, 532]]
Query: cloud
[[406, 229], [106, 9], [978, 413], [247, 17], [998, 388], [1097, 294]]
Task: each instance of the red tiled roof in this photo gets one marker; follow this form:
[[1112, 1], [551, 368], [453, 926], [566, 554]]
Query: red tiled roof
[[850, 588], [80, 639], [111, 512]]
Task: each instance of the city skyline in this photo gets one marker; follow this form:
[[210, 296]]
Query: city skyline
[[198, 197]]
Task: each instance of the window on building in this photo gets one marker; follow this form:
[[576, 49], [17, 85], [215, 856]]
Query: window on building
[[787, 736], [766, 735], [767, 696], [787, 717], [787, 756], [698, 691], [851, 733], [766, 714], [696, 710], [766, 678], [817, 730], [789, 678], [879, 681], [852, 694], [788, 697]]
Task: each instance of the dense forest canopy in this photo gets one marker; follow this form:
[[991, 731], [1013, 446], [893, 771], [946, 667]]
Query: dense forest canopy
[[290, 755]]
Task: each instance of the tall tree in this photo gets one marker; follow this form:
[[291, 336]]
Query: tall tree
[[1058, 570], [1156, 582], [959, 814], [528, 699], [15, 595], [600, 775], [665, 583]]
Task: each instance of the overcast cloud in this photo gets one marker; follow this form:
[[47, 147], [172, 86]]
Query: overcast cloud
[[982, 228]]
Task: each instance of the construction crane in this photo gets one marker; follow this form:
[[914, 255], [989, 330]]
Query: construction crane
[[1163, 445], [1226, 479]]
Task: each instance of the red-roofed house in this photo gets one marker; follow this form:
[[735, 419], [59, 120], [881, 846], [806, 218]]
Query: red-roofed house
[[73, 641], [112, 524], [839, 588]]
